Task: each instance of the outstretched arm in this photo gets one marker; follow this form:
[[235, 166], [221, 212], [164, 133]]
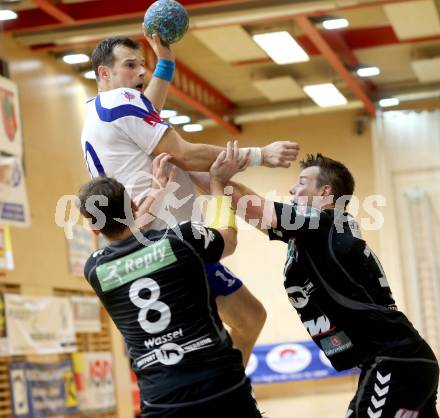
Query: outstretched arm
[[199, 157], [157, 89]]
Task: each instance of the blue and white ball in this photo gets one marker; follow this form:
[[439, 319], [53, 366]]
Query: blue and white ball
[[167, 18]]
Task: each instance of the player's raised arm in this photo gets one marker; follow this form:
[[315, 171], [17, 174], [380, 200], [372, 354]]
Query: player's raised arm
[[199, 157], [157, 89]]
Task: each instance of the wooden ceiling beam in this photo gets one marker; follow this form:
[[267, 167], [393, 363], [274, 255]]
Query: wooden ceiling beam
[[335, 62]]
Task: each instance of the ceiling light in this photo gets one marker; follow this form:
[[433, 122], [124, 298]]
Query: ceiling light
[[90, 75], [389, 102], [7, 15], [325, 95], [75, 58], [334, 23], [281, 47], [179, 120], [167, 113], [367, 71], [193, 127]]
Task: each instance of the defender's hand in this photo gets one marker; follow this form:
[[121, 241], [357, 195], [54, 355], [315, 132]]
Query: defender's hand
[[228, 163]]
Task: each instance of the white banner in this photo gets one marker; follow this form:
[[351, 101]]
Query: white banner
[[39, 325], [86, 313], [14, 207], [10, 119], [94, 379]]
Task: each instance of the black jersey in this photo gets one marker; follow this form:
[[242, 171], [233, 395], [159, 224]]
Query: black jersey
[[158, 297], [338, 287]]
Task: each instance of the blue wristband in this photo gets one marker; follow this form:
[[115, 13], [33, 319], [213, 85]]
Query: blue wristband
[[165, 70]]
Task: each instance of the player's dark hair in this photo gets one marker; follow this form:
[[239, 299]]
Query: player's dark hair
[[103, 200], [103, 52], [333, 173]]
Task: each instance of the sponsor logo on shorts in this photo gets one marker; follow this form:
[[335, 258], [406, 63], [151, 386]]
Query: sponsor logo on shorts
[[288, 358], [335, 344]]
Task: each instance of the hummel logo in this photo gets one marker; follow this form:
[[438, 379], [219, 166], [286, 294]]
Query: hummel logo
[[383, 379], [378, 403], [372, 414], [376, 400], [381, 392]]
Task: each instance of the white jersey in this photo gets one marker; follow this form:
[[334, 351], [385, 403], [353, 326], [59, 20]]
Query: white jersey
[[121, 131]]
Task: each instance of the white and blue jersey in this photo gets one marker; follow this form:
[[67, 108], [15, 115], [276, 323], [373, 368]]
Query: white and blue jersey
[[121, 131]]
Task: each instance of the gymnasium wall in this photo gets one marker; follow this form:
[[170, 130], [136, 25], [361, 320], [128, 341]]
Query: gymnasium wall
[[52, 98]]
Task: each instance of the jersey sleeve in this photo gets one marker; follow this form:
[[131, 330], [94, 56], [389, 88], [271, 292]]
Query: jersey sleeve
[[293, 220], [206, 242], [135, 116]]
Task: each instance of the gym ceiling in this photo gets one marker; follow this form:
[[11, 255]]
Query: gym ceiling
[[225, 78]]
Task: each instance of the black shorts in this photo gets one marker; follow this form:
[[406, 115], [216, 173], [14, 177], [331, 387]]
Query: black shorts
[[235, 401], [396, 387]]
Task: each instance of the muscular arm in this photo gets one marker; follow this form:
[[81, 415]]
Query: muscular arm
[[188, 156], [253, 208], [199, 157]]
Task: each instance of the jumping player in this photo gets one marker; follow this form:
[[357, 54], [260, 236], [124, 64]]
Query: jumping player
[[158, 296], [122, 134], [339, 289]]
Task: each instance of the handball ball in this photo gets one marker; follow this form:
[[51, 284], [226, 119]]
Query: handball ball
[[167, 18]]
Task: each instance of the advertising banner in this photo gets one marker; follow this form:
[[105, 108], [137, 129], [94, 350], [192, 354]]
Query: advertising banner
[[39, 325], [94, 382], [14, 207], [10, 121], [289, 362], [41, 390]]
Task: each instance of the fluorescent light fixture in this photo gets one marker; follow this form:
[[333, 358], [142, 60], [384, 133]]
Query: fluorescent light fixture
[[90, 75], [179, 120], [193, 127], [167, 113], [325, 95], [389, 102], [7, 15], [335, 23], [281, 47], [76, 58], [367, 71]]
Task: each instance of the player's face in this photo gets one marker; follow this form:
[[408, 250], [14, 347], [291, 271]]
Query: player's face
[[304, 191], [128, 69]]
